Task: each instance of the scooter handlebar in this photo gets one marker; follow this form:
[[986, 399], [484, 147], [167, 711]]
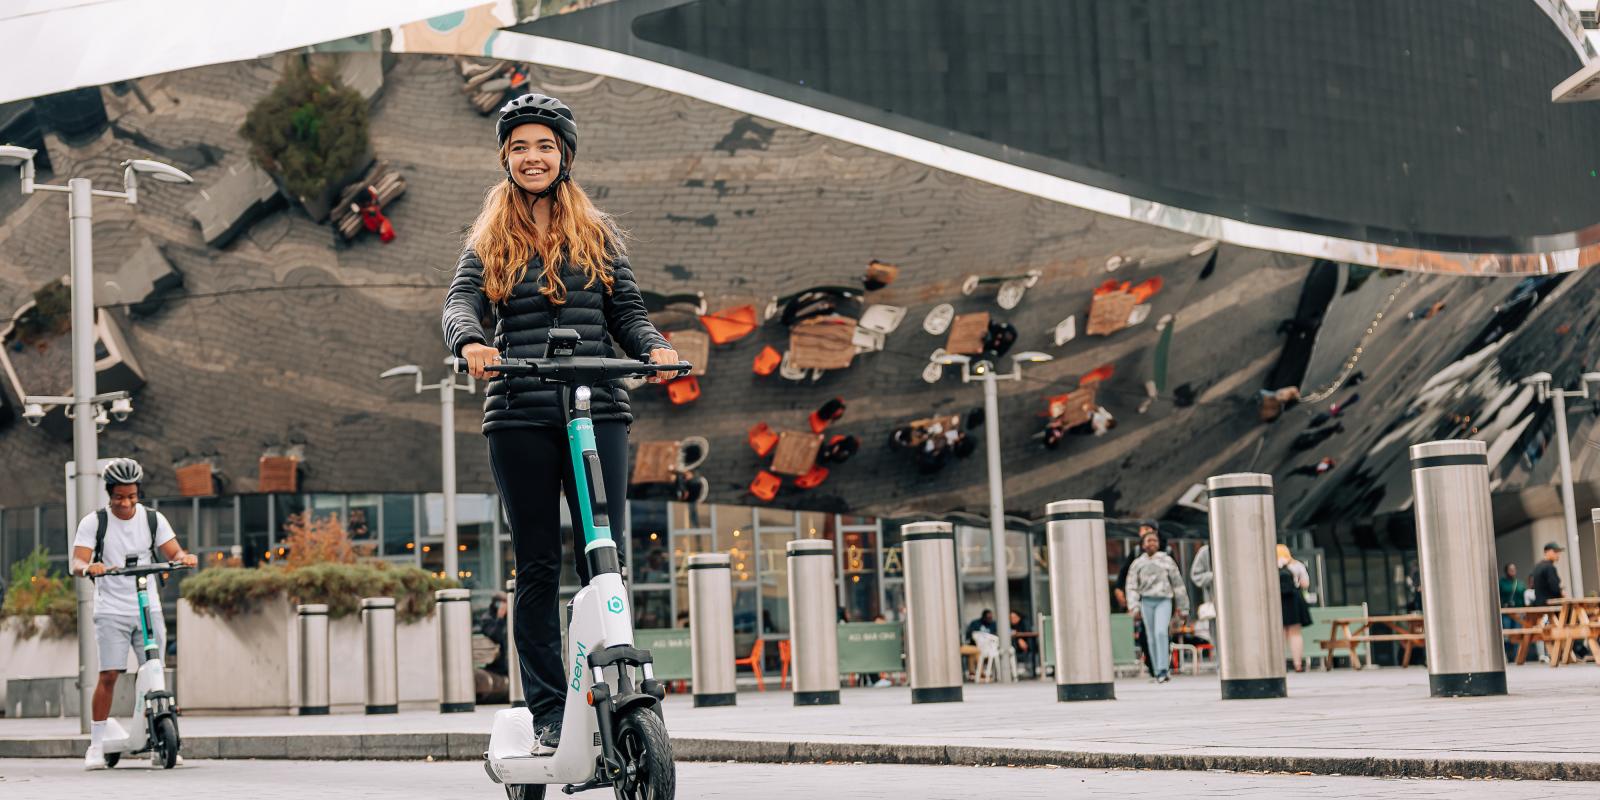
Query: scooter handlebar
[[145, 569], [612, 368]]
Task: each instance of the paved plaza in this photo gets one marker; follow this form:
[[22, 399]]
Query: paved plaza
[[1379, 723], [60, 779]]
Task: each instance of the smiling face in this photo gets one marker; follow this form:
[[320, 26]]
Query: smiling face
[[533, 156], [124, 500]]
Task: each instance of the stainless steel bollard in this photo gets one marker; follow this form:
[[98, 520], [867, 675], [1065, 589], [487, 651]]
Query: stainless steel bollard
[[813, 622], [1244, 559], [453, 616], [1080, 606], [711, 630], [933, 624], [312, 621], [1460, 587], [513, 662], [382, 656]]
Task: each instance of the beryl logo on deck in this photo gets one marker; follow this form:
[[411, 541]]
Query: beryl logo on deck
[[577, 667], [614, 605]]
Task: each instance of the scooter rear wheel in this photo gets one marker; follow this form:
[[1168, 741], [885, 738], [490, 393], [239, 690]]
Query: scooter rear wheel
[[525, 791], [112, 759], [167, 742], [646, 757]]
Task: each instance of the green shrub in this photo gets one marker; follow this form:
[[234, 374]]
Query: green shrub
[[227, 592], [309, 130], [51, 314], [34, 592]]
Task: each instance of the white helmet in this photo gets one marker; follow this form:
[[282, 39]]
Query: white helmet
[[121, 471]]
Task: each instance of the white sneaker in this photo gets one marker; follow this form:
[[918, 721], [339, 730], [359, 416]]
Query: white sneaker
[[95, 758]]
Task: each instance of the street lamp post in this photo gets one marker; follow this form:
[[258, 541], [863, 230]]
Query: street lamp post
[[1541, 384], [447, 448], [84, 406], [983, 371]]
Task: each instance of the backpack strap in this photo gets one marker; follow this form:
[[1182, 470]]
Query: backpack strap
[[153, 517], [99, 536]]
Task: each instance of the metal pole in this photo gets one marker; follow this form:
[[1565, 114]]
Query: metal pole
[[447, 449], [85, 448], [997, 523], [1568, 511]]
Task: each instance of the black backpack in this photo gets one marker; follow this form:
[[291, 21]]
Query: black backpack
[[100, 534], [1286, 583]]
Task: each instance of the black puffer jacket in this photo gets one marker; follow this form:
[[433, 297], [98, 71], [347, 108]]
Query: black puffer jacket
[[610, 324]]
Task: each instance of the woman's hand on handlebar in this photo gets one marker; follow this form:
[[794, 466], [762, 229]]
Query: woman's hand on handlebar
[[94, 570], [478, 356], [662, 355]]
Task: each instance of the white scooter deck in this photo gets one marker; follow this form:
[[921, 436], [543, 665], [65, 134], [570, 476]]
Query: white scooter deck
[[601, 618]]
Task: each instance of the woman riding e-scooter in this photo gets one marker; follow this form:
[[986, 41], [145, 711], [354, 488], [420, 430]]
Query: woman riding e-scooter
[[541, 256]]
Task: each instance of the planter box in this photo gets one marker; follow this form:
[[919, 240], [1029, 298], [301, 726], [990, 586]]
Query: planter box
[[36, 657], [249, 664]]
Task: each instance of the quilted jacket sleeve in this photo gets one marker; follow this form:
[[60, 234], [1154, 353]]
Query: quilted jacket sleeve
[[465, 305], [626, 317]]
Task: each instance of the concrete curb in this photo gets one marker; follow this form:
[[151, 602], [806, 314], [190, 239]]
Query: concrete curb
[[470, 746]]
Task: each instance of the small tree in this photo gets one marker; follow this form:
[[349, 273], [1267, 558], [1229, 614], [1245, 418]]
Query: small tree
[[310, 131], [320, 540]]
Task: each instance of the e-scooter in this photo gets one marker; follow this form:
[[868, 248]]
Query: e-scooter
[[157, 732], [612, 733]]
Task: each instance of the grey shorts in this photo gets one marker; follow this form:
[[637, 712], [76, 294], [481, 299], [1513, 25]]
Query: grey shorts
[[116, 635]]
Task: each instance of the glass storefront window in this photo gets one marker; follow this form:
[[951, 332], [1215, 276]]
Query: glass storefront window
[[216, 531], [399, 525], [53, 531], [774, 579], [255, 532], [815, 525], [974, 556], [16, 537], [652, 609], [362, 524], [326, 505], [775, 517], [647, 528], [859, 574], [688, 516]]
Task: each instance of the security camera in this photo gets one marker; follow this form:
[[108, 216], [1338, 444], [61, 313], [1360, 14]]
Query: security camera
[[1591, 377], [100, 419], [33, 413], [1537, 378], [121, 408]]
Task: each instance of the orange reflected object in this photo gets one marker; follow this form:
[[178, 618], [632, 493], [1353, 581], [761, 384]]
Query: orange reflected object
[[762, 438], [767, 361], [812, 479], [1146, 290], [683, 390], [1100, 373], [765, 486], [730, 324]]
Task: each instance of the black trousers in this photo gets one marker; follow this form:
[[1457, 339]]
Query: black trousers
[[533, 468]]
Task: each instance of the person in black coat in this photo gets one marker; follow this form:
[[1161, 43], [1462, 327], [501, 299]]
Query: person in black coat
[[541, 256]]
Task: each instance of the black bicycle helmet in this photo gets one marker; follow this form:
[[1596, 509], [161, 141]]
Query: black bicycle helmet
[[545, 110]]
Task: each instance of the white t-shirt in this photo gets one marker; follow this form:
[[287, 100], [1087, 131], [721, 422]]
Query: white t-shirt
[[117, 595]]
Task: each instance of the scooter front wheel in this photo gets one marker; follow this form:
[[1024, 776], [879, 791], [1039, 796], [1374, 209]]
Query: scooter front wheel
[[525, 791], [167, 742], [112, 759], [648, 773]]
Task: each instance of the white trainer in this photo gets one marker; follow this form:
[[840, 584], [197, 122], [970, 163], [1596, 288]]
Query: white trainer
[[95, 758]]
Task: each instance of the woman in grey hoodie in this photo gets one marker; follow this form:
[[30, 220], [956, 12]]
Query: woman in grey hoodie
[[1154, 584]]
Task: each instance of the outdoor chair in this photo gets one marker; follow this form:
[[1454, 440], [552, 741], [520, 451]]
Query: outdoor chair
[[684, 390], [812, 479], [762, 438], [767, 361], [765, 485], [988, 655], [753, 661]]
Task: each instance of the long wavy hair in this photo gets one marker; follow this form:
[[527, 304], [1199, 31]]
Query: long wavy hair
[[578, 235]]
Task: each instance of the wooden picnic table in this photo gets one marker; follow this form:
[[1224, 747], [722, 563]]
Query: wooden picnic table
[[1534, 623], [796, 452], [967, 333], [1350, 632], [920, 427], [1579, 619], [823, 343], [693, 347], [657, 462]]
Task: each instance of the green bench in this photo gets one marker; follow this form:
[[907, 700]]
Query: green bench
[[1124, 656], [870, 648], [669, 651]]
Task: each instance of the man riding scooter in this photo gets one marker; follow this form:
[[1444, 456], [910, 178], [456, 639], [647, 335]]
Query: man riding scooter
[[128, 530]]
